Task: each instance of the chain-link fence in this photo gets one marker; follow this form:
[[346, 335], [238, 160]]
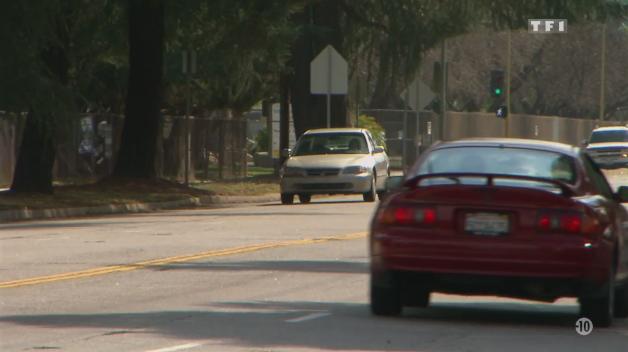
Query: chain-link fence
[[87, 146]]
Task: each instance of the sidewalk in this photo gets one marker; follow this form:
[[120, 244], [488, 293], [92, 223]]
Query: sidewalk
[[52, 213]]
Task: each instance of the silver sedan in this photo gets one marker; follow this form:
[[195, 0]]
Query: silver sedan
[[334, 161]]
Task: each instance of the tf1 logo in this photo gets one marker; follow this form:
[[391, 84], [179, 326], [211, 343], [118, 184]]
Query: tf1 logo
[[547, 26]]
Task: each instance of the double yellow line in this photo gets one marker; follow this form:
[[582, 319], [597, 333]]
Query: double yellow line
[[176, 259]]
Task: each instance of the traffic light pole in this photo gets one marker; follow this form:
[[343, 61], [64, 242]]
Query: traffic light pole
[[603, 73], [508, 69]]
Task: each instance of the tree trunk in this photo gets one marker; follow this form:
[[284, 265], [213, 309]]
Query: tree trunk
[[34, 167], [310, 111], [386, 94], [239, 145], [33, 171], [136, 158], [227, 144]]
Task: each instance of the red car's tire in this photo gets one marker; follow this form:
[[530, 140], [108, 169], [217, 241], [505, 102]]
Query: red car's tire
[[416, 298], [621, 302], [600, 308], [385, 298]]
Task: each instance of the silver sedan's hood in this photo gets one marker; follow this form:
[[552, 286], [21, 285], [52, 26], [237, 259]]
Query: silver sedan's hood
[[330, 161]]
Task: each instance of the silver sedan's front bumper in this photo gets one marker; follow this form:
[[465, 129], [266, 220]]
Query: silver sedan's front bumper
[[339, 184], [606, 162]]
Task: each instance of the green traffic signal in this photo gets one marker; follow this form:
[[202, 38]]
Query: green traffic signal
[[497, 82]]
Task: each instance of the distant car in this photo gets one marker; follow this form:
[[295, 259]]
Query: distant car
[[334, 161], [517, 218], [608, 146]]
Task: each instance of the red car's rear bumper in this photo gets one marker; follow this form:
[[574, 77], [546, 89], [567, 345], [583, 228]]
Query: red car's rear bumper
[[543, 256]]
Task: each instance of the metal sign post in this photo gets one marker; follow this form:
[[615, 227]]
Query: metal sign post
[[188, 68], [443, 92], [328, 75], [418, 95]]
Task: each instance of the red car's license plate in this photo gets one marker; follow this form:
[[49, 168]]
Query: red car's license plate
[[486, 224]]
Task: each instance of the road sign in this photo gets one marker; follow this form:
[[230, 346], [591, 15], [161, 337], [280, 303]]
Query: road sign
[[418, 95], [328, 75]]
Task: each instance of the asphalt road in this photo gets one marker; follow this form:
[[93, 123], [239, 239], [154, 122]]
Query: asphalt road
[[257, 278]]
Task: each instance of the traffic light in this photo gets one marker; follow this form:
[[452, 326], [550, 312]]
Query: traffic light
[[497, 83]]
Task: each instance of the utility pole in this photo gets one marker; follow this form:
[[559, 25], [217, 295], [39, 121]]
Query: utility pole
[[603, 73], [417, 103], [508, 70], [443, 92], [284, 118], [404, 147], [357, 101]]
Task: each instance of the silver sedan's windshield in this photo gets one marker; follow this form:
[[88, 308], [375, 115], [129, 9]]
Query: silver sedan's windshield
[[609, 136], [332, 143]]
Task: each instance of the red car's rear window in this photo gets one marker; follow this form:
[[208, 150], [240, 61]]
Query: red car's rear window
[[498, 160]]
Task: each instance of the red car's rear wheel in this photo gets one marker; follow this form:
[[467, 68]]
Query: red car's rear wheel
[[385, 298], [600, 308]]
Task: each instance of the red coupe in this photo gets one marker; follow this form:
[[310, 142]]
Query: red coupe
[[509, 217]]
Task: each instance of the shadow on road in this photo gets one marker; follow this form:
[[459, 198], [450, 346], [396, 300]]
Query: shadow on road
[[312, 266], [232, 214], [444, 327], [313, 202], [53, 223]]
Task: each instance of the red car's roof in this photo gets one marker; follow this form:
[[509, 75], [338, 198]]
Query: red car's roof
[[511, 143]]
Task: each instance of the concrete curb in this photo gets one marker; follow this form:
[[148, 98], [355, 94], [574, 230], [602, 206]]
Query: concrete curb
[[37, 214]]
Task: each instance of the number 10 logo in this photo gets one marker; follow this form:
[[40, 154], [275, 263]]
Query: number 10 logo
[[584, 326]]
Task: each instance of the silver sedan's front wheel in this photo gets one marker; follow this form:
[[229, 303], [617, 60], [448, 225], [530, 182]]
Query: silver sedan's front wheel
[[371, 194], [287, 198]]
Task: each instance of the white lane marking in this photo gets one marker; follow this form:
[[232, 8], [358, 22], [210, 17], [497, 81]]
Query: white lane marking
[[52, 238], [308, 317], [187, 346]]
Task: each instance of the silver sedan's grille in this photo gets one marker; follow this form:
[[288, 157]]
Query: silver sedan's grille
[[322, 172], [606, 153], [324, 186]]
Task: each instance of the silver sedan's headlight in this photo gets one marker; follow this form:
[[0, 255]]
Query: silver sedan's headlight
[[292, 172], [355, 170]]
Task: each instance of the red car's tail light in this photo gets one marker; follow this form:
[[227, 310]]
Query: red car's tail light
[[408, 216], [429, 216], [559, 222], [544, 222], [571, 223], [404, 215]]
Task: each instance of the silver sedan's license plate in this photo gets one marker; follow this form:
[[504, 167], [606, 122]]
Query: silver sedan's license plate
[[490, 224]]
